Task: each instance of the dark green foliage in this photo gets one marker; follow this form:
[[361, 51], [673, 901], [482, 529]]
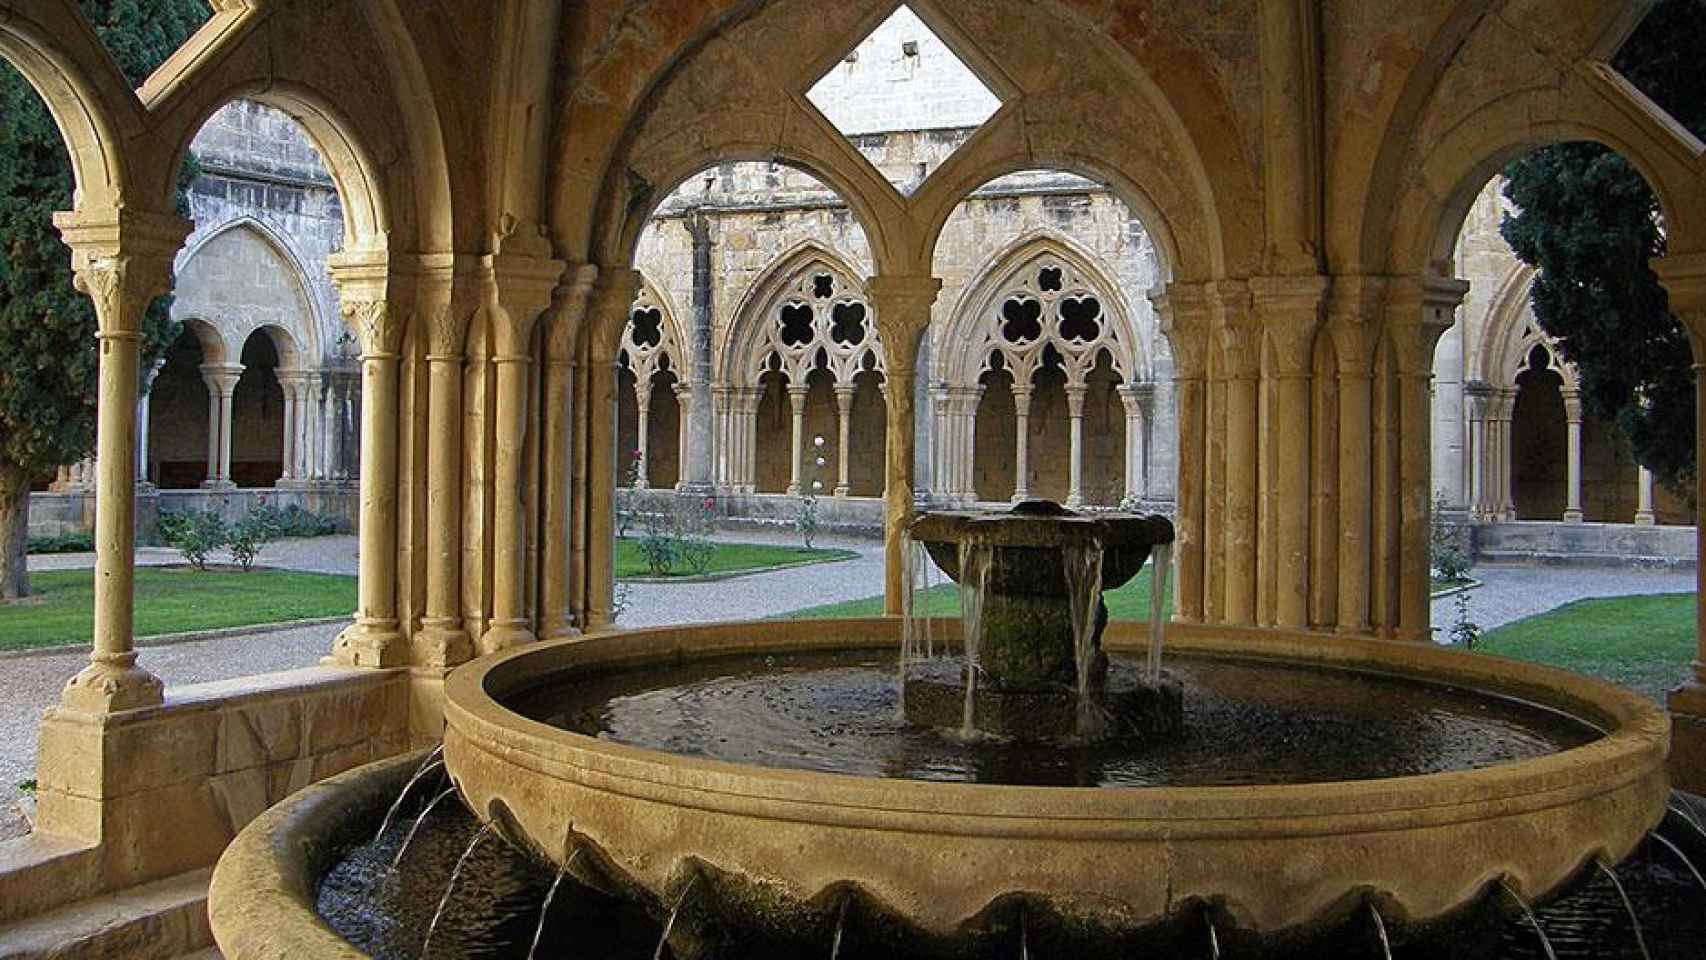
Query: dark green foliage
[[62, 543], [293, 521], [1589, 222], [195, 534]]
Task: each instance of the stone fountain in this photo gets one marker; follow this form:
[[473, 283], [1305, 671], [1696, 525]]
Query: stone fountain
[[1033, 664], [774, 779]]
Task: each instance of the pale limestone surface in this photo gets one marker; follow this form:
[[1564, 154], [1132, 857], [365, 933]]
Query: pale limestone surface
[[1302, 178]]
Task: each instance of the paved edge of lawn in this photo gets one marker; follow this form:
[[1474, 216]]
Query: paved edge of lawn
[[831, 555], [190, 636]]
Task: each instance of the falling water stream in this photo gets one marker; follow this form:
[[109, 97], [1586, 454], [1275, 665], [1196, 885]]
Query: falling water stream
[[840, 926], [1380, 929], [550, 895], [669, 925], [976, 559], [433, 759], [1161, 561], [416, 826], [1083, 595], [1533, 921], [1634, 921], [450, 887], [1673, 848], [1213, 940]]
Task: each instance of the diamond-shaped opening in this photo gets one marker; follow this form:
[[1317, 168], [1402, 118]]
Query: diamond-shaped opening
[[904, 100], [1661, 58]]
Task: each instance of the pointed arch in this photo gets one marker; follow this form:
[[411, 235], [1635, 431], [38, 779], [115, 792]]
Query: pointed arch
[[829, 325], [304, 332], [652, 339], [1072, 294], [1511, 334]]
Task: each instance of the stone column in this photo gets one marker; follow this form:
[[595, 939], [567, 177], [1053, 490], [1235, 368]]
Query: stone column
[[1422, 310], [612, 301], [844, 393], [694, 472], [642, 440], [1477, 396], [1183, 310], [902, 306], [1290, 309], [684, 440], [1573, 470], [221, 380], [796, 464], [1021, 442], [1133, 396], [144, 407], [1241, 345], [452, 301], [1075, 393], [287, 384], [1502, 489], [565, 322], [519, 287], [1644, 515], [122, 260], [364, 287]]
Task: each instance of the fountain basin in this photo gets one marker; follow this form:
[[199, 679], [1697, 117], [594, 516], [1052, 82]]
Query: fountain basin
[[939, 855]]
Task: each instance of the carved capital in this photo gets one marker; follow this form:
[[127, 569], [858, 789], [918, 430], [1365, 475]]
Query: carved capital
[[1186, 317], [1353, 321], [902, 306], [376, 326], [1419, 310], [608, 307], [1237, 329], [568, 314], [123, 260], [1572, 405], [518, 290], [1290, 310]]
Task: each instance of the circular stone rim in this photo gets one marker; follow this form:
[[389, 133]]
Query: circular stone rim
[[1594, 800]]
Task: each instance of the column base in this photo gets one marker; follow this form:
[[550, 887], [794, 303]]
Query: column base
[[370, 643], [1572, 516], [441, 642], [1020, 496], [792, 490], [217, 485], [112, 685], [842, 490], [1646, 519], [1687, 763], [560, 628], [504, 634]]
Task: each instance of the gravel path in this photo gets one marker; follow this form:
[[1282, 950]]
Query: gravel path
[[32, 683], [1514, 591]]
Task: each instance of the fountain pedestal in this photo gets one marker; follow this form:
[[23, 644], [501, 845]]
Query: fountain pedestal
[[1027, 682]]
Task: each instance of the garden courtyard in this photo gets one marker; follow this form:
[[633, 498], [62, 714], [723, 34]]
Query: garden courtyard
[[1631, 626]]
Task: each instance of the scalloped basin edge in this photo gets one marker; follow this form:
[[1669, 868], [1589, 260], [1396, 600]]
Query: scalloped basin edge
[[1275, 857]]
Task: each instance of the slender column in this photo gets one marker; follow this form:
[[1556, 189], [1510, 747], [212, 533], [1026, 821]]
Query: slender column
[[227, 390], [796, 465], [287, 384], [1075, 394], [684, 440], [844, 393], [902, 314], [1421, 313], [1185, 319], [1502, 462], [1644, 515], [643, 404], [375, 639], [565, 323], [1290, 310], [122, 260], [1130, 396], [519, 288], [1021, 442], [1241, 344], [1475, 394], [221, 380], [144, 407], [1573, 471], [612, 301]]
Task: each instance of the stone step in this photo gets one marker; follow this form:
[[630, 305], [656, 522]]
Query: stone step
[[156, 921]]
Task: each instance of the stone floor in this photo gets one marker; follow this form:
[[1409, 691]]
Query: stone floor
[[32, 682]]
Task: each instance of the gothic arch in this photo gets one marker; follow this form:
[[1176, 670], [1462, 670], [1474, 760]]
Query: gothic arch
[[791, 321], [1077, 312], [302, 327], [652, 341], [1511, 334]]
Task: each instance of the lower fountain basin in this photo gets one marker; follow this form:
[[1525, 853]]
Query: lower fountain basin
[[1271, 858]]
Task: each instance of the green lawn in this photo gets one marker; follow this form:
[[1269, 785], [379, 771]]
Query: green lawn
[[1644, 643], [172, 600], [1130, 602], [729, 558]]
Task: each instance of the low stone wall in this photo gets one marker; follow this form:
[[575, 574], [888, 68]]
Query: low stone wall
[[58, 514], [137, 796], [1595, 544]]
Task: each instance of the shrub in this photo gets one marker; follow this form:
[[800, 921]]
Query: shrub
[[63, 543], [1448, 554], [247, 536], [695, 522], [293, 521], [660, 546], [626, 507], [194, 534]]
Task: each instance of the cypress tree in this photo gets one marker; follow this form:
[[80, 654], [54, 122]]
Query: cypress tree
[[47, 329], [1589, 222]]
